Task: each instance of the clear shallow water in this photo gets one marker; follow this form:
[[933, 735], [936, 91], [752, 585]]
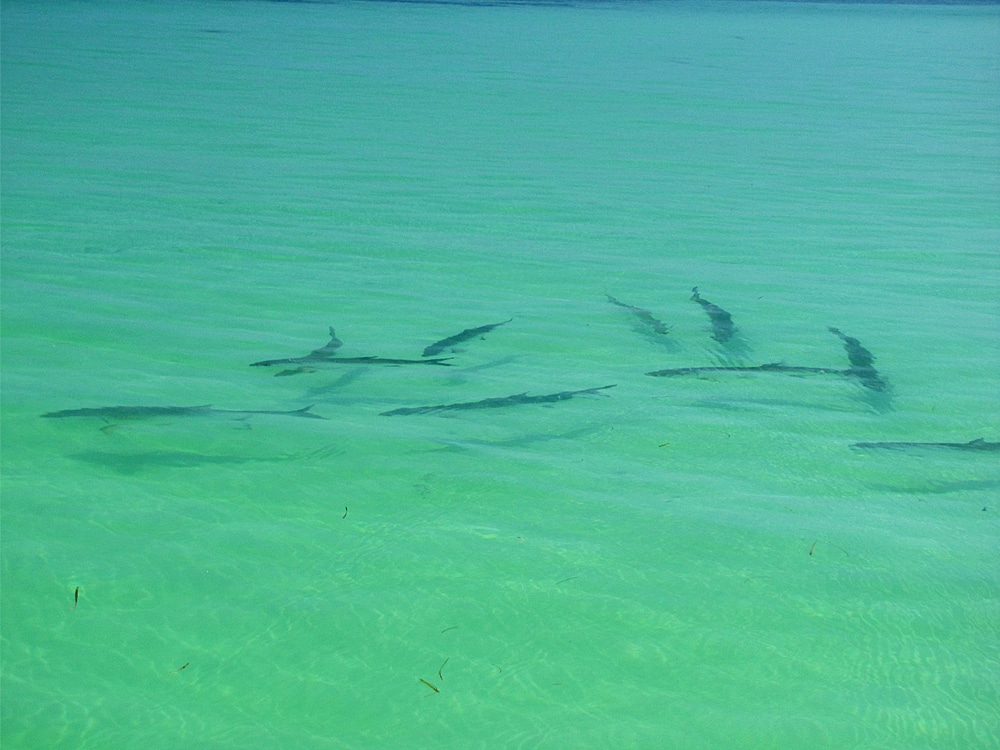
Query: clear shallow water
[[682, 562]]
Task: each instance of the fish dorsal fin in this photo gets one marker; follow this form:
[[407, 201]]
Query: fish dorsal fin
[[330, 348], [977, 442]]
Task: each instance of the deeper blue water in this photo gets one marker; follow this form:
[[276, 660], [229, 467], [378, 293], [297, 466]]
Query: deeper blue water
[[696, 561]]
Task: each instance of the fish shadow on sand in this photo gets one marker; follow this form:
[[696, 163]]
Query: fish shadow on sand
[[979, 445], [137, 462], [936, 487], [129, 464], [646, 325], [112, 415]]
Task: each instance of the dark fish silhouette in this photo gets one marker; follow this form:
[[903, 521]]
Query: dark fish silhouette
[[857, 354], [861, 362], [318, 364], [645, 316], [866, 376], [722, 322], [327, 355], [148, 412], [324, 354], [469, 333], [495, 403], [771, 367], [973, 445]]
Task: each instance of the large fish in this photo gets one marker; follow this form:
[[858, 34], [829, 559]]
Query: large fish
[[771, 367], [469, 333], [861, 363], [495, 403], [319, 364], [723, 328], [866, 376], [122, 413], [857, 354], [327, 355]]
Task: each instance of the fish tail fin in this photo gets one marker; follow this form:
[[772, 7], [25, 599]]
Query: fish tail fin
[[305, 412]]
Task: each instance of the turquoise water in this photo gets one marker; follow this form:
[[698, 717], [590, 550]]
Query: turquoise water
[[698, 561]]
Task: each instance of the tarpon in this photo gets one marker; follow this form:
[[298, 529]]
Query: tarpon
[[857, 354], [861, 368], [495, 403], [770, 367], [327, 354], [861, 362], [149, 412], [324, 354], [973, 445], [722, 322], [645, 316], [317, 364], [469, 333]]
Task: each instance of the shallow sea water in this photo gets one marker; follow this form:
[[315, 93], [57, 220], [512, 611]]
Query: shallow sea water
[[697, 561]]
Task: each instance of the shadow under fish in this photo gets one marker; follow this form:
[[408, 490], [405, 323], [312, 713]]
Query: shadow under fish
[[469, 333], [126, 413], [135, 463], [978, 445], [496, 403], [936, 487], [645, 317]]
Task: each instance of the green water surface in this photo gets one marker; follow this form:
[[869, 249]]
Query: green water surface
[[699, 561]]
